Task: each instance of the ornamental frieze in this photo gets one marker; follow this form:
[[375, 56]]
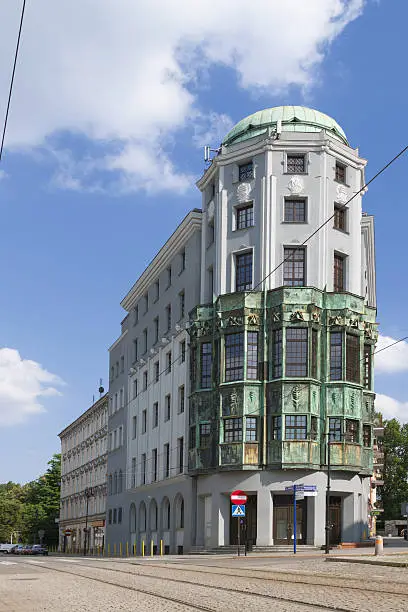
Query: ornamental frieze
[[337, 320], [298, 315], [253, 319]]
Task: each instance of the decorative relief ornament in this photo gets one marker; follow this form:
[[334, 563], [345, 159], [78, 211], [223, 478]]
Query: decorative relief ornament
[[353, 323], [342, 196], [316, 316], [234, 321], [297, 316], [295, 396], [276, 316], [253, 319], [243, 192], [296, 185], [335, 321]]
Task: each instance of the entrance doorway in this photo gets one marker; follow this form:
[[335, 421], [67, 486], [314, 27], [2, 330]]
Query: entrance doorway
[[248, 524], [335, 520], [283, 520]]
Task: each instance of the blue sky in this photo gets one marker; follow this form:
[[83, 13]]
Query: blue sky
[[109, 115]]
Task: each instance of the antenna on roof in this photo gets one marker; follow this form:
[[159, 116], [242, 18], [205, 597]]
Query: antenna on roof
[[207, 153]]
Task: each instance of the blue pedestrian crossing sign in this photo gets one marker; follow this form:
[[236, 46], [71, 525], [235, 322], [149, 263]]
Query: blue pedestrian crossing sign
[[238, 510]]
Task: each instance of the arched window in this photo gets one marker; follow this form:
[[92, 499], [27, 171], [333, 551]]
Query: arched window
[[166, 513], [153, 515], [132, 518], [142, 517]]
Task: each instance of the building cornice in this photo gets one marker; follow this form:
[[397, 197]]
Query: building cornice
[[98, 405], [118, 341], [190, 224]]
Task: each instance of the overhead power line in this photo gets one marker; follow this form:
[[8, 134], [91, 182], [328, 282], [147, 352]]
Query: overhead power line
[[12, 79]]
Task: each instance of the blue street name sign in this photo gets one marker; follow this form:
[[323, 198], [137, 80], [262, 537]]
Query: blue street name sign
[[238, 510]]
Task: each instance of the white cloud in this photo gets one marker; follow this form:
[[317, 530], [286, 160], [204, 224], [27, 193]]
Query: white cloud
[[393, 359], [123, 74], [391, 408], [22, 384]]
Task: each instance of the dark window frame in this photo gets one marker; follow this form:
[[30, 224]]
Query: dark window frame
[[244, 216], [335, 429], [155, 415], [367, 436], [204, 435], [251, 429], [296, 163], [294, 267], [233, 430], [368, 366], [295, 210], [205, 365], [340, 173], [353, 373], [277, 353], [339, 272], [336, 355], [296, 362], [277, 427], [296, 427], [352, 431], [252, 355], [244, 266], [246, 172], [234, 348], [314, 353], [340, 217]]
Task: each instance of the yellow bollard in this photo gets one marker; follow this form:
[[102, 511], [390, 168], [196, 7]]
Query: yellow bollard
[[127, 549], [161, 548], [120, 549], [143, 548]]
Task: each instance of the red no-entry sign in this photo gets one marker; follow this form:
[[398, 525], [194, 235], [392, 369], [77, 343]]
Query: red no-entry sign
[[239, 498]]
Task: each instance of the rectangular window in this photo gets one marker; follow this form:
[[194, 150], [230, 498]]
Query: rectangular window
[[144, 468], [146, 301], [277, 353], [145, 340], [182, 304], [192, 438], [134, 427], [154, 464], [122, 364], [135, 352], [353, 358], [233, 430], [110, 517], [206, 365], [121, 396], [180, 454], [367, 435], [193, 365], [245, 217], [183, 351], [144, 381], [135, 388], [340, 217], [155, 414], [296, 351], [234, 356], [183, 260], [211, 284], [156, 372], [166, 460], [340, 173], [136, 315], [252, 355], [133, 478], [156, 329], [168, 362], [181, 398], [167, 411], [168, 317], [168, 276], [114, 516], [246, 172], [243, 272], [295, 164], [205, 435], [351, 430], [119, 515], [295, 427], [294, 267], [156, 290], [339, 277], [251, 434], [334, 429], [295, 211], [313, 369], [277, 428], [313, 428], [144, 421], [367, 366], [336, 356]]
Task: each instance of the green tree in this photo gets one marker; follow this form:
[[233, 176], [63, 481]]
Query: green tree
[[11, 511], [395, 489]]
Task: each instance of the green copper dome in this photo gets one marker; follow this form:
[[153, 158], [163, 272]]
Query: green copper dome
[[294, 119]]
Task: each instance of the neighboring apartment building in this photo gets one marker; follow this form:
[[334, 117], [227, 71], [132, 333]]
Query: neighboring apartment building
[[83, 479], [277, 358]]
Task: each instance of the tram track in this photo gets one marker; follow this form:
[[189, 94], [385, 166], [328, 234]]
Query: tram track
[[235, 591]]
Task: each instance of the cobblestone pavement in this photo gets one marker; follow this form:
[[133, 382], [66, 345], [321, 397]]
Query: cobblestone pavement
[[285, 584]]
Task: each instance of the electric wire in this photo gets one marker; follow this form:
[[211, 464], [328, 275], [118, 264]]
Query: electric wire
[[12, 79]]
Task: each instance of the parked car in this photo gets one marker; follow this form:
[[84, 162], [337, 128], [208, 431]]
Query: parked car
[[27, 549], [17, 550], [37, 549], [6, 548]]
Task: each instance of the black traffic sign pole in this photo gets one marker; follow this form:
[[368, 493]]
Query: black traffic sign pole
[[239, 533]]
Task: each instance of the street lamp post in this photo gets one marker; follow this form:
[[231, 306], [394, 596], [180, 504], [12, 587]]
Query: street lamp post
[[328, 525], [88, 494]]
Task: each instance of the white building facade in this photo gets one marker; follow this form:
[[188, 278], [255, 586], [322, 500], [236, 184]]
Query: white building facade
[[84, 480], [239, 370]]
